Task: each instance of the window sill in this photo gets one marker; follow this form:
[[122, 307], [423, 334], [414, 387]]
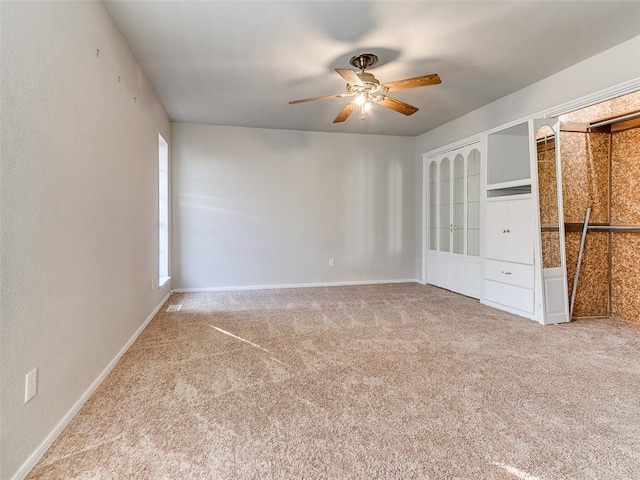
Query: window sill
[[162, 281]]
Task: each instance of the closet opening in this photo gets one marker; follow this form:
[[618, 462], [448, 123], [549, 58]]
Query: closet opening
[[600, 163]]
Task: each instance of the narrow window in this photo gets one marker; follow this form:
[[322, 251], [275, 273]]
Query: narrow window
[[163, 211]]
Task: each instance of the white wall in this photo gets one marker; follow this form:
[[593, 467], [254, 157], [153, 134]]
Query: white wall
[[256, 207], [78, 238]]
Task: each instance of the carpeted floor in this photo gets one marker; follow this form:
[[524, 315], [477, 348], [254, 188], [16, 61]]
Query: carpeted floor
[[385, 381]]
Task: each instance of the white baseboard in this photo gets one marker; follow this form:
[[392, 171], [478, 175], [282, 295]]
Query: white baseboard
[[293, 285], [26, 467]]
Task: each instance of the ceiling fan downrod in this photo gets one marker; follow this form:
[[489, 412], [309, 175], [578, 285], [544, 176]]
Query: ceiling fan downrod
[[363, 61]]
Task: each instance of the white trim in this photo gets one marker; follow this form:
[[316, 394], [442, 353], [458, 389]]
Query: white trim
[[588, 100], [453, 146], [28, 465], [292, 285], [555, 111], [163, 281]]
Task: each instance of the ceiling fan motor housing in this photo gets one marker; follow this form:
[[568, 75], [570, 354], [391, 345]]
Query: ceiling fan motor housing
[[370, 87]]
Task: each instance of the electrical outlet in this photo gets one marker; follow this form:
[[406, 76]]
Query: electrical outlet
[[152, 285], [332, 262], [31, 385]]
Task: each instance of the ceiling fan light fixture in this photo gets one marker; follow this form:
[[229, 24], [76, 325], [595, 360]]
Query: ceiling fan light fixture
[[360, 100]]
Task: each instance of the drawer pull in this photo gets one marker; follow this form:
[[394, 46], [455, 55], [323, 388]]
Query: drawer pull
[[506, 273]]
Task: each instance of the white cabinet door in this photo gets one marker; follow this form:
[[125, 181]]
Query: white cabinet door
[[495, 224], [520, 231], [510, 230]]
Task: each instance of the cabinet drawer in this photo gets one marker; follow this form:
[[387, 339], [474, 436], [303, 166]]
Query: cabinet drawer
[[511, 273], [509, 295]]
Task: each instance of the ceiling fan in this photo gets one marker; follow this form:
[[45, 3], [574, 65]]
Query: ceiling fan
[[368, 90]]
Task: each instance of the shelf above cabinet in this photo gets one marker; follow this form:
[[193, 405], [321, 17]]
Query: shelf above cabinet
[[509, 191], [511, 184]]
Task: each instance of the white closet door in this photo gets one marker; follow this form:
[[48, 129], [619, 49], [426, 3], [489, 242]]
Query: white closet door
[[451, 182], [445, 205], [458, 204], [432, 206], [473, 203], [555, 293]]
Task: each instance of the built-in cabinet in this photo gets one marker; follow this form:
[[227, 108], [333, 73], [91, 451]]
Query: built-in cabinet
[[510, 223], [494, 218], [483, 235], [453, 220], [509, 257]]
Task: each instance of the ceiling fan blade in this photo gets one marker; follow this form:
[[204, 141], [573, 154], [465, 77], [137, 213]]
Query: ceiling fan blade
[[349, 75], [422, 81], [325, 97], [345, 112], [398, 106]]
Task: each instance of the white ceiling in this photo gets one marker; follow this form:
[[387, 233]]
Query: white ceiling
[[238, 63]]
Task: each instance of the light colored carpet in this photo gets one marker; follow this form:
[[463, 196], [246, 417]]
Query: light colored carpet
[[385, 381]]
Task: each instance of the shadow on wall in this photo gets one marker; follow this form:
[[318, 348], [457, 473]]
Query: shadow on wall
[[367, 233]]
